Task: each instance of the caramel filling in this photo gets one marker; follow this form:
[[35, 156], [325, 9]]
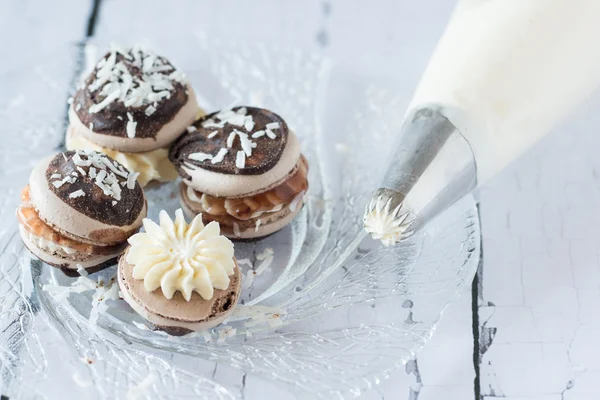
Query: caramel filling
[[250, 207], [30, 220]]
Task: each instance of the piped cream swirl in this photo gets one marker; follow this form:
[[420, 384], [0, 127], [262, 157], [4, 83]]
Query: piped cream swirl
[[177, 256], [385, 224]]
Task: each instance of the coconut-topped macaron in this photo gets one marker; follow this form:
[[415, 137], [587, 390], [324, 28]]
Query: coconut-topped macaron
[[79, 209], [132, 106], [242, 168], [181, 277]]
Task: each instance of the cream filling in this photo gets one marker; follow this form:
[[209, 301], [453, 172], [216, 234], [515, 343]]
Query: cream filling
[[385, 224], [191, 193], [153, 165], [177, 256], [48, 245]]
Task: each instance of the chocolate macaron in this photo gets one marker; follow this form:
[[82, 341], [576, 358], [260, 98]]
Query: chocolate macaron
[[132, 106], [180, 277], [242, 168], [79, 209]]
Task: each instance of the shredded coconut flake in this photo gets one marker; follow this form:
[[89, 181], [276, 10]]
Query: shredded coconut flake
[[131, 126], [249, 123], [225, 332], [257, 314], [66, 179], [212, 124], [191, 128], [207, 336], [246, 143], [76, 194], [240, 160], [78, 107], [219, 157], [200, 157], [265, 264], [81, 271], [231, 138], [55, 176], [245, 261], [212, 134], [267, 252], [249, 278], [114, 81], [150, 110], [141, 326], [258, 134], [271, 134], [228, 116], [107, 175], [131, 179], [273, 125]]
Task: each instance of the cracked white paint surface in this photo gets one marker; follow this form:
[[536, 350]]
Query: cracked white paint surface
[[541, 277]]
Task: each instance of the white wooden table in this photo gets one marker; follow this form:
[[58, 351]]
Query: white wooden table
[[528, 328]]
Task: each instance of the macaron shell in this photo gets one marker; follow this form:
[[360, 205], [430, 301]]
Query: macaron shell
[[70, 222], [225, 185], [167, 134], [69, 265], [196, 314]]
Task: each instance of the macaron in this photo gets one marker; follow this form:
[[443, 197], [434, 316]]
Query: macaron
[[132, 106], [180, 277], [242, 168], [79, 209]]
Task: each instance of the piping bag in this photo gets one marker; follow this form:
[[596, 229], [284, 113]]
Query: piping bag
[[503, 74]]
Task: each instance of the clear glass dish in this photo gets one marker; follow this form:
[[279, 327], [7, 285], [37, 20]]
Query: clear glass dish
[[334, 312]]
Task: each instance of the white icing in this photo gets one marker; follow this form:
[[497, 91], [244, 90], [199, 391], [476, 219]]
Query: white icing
[[49, 245], [177, 256], [385, 224]]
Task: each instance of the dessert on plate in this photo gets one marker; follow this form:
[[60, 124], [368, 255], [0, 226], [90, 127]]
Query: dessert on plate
[[242, 168], [180, 277], [132, 106], [79, 209]]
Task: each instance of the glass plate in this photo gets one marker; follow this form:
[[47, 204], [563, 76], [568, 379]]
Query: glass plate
[[334, 312]]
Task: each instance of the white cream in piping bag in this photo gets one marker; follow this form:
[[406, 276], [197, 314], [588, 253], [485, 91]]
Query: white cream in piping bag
[[517, 67], [177, 256], [507, 71]]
